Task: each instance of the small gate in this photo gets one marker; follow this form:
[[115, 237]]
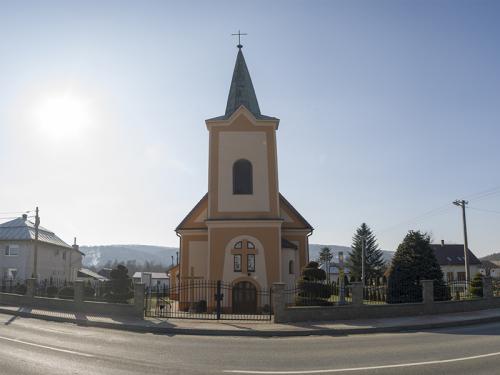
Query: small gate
[[212, 300]]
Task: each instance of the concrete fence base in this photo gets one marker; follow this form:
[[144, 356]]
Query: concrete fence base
[[358, 310], [78, 305]]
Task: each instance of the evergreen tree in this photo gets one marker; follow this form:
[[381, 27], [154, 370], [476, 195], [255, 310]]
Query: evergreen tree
[[476, 286], [313, 291], [374, 261], [414, 261], [325, 258]]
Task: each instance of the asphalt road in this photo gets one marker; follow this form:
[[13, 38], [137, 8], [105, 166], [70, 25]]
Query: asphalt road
[[29, 346]]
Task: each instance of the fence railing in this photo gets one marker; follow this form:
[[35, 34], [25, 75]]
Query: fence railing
[[117, 291], [308, 293], [14, 286], [495, 288], [54, 288], [457, 291]]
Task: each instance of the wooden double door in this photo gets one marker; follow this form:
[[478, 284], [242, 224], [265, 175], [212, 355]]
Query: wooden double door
[[244, 298]]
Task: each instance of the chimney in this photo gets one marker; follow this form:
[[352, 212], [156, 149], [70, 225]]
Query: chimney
[[442, 242], [25, 217], [75, 246]]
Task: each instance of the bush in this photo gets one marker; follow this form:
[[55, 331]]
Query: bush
[[476, 286], [68, 292], [313, 291], [52, 291], [20, 289]]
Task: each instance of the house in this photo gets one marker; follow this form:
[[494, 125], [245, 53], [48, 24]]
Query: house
[[152, 279], [451, 259], [84, 274], [56, 259], [243, 231]]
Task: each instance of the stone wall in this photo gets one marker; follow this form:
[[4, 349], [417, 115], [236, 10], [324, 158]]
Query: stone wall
[[358, 310]]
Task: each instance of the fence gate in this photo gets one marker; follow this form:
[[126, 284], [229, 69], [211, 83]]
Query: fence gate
[[213, 300]]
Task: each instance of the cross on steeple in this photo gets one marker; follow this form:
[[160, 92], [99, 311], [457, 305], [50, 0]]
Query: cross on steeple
[[239, 38]]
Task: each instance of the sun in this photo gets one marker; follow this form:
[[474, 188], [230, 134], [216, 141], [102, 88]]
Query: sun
[[62, 117]]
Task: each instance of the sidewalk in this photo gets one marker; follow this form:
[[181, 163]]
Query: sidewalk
[[260, 329]]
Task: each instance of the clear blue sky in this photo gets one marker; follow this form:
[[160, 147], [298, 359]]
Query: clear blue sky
[[389, 109]]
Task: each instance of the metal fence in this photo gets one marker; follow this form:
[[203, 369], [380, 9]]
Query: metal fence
[[495, 286], [375, 294], [457, 291], [404, 292], [54, 288], [212, 300], [13, 286], [115, 291], [307, 293]]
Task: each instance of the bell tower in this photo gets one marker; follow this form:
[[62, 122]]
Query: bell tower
[[243, 171]]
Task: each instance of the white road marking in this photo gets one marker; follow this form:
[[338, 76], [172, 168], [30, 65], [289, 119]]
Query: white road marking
[[364, 368], [46, 347]]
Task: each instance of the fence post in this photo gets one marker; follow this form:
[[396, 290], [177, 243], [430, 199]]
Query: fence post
[[30, 287], [139, 299], [357, 293], [427, 291], [487, 287], [218, 297], [279, 302], [78, 297]]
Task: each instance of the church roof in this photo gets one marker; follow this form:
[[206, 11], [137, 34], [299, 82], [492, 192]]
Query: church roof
[[241, 92]]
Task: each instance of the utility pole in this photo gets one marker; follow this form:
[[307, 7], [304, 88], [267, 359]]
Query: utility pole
[[462, 203], [35, 254], [363, 260], [172, 260]]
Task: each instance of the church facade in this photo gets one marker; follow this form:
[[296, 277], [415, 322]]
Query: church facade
[[243, 231]]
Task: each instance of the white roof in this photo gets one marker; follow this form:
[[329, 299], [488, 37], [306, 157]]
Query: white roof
[[154, 275]]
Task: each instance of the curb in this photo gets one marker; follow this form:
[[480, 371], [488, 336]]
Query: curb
[[170, 331]]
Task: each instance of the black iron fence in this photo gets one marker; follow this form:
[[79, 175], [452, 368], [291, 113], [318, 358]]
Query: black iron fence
[[115, 291], [212, 300], [307, 293], [375, 294], [495, 286], [457, 291], [13, 286], [54, 288]]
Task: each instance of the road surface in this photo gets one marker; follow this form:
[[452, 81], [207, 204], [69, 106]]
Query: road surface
[[30, 346]]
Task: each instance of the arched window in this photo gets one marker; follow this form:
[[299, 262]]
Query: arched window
[[242, 177], [291, 267]]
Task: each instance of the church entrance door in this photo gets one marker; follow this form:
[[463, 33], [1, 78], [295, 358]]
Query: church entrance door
[[244, 298]]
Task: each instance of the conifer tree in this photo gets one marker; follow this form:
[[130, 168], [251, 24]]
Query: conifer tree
[[374, 261], [414, 261]]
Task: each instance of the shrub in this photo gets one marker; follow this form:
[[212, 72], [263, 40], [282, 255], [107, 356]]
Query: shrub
[[476, 286], [20, 289], [68, 292], [52, 291], [313, 291]]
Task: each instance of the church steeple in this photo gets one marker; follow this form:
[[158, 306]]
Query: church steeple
[[241, 91]]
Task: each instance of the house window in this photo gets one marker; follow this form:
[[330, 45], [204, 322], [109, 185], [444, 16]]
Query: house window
[[250, 245], [12, 250], [238, 245], [242, 177], [449, 276], [251, 262], [237, 263], [460, 276], [291, 267], [64, 255]]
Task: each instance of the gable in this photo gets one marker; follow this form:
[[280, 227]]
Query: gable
[[292, 218], [195, 219]]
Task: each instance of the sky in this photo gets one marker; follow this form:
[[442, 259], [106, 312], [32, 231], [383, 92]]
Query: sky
[[390, 110]]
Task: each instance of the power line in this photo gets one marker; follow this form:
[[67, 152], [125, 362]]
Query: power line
[[484, 210]]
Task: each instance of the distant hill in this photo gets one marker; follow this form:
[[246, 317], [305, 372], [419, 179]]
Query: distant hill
[[98, 256], [492, 257]]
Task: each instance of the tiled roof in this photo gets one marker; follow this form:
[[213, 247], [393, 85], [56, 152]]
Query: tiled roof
[[22, 229], [453, 255]]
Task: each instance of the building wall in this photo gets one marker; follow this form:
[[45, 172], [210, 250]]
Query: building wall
[[53, 261], [455, 269], [288, 255]]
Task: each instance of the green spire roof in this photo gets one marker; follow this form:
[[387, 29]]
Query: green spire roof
[[241, 91]]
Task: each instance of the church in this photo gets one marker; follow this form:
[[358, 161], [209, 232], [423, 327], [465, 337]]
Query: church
[[243, 231]]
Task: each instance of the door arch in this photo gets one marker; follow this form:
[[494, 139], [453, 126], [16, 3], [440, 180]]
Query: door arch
[[244, 298]]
